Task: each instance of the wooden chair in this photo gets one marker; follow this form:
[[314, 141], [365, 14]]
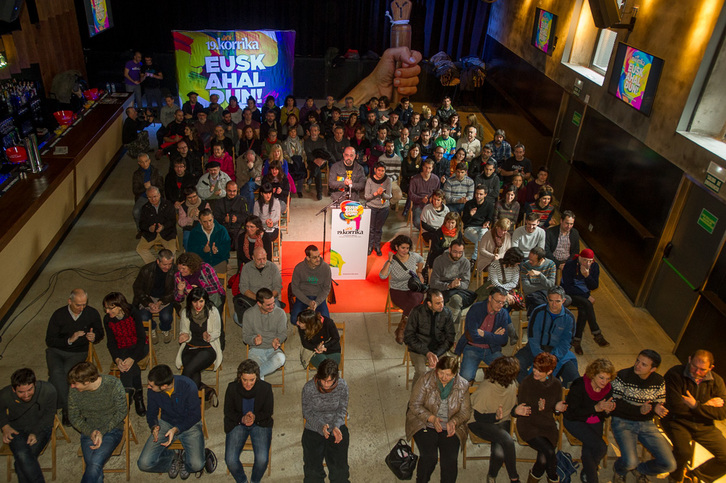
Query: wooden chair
[[390, 306], [341, 367], [225, 311], [282, 369], [176, 444], [122, 448], [521, 442], [409, 222], [422, 247], [216, 374], [6, 451], [143, 363], [277, 248], [407, 362], [476, 440], [93, 358], [285, 218]]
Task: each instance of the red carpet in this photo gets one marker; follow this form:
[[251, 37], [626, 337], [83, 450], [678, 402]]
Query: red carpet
[[367, 295]]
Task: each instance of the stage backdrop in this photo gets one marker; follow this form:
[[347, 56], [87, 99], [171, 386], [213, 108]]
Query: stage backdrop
[[349, 231], [257, 63]]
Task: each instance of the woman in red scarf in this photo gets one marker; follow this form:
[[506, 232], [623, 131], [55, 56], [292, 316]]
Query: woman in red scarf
[[251, 237], [450, 230]]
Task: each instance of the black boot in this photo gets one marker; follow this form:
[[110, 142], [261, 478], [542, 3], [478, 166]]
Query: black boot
[[139, 402], [66, 420]]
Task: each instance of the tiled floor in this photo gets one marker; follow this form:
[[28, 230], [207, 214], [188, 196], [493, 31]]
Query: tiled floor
[[98, 254]]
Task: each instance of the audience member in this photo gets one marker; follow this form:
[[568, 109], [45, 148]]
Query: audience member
[[504, 273], [177, 181], [562, 242], [438, 411], [446, 141], [154, 294], [392, 162], [362, 148], [270, 106], [251, 238], [264, 330], [269, 210], [212, 185], [167, 115], [204, 127], [126, 341], [404, 110], [516, 164], [501, 149], [188, 212], [530, 235], [262, 273], [420, 189], [446, 110], [377, 195], [493, 244], [192, 108], [288, 109], [249, 175], [249, 140], [538, 275], [393, 126], [270, 142], [459, 189], [319, 337], [336, 143], [219, 137], [414, 127], [478, 165], [537, 183], [542, 207], [426, 143], [580, 276], [451, 274], [347, 177], [442, 165], [248, 408], [470, 144], [133, 136], [410, 167], [192, 273], [317, 156], [478, 216], [450, 230], [472, 121], [433, 215], [490, 181], [157, 224], [507, 207], [231, 212], [311, 282], [192, 159], [210, 241], [144, 177]]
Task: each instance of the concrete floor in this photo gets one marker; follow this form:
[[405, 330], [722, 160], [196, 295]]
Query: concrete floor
[[99, 255]]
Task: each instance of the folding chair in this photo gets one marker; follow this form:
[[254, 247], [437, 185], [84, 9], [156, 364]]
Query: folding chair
[[6, 451], [390, 306], [285, 218], [93, 358]]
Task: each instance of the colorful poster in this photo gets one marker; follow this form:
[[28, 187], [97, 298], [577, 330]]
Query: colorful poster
[[544, 27], [98, 16], [257, 63], [349, 233], [634, 76]]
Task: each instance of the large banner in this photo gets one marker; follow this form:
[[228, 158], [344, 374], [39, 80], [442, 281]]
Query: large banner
[[255, 63], [349, 233]]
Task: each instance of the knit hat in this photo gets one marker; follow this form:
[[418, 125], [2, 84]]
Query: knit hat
[[587, 253]]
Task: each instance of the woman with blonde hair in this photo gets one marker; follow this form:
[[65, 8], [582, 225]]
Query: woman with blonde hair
[[494, 244]]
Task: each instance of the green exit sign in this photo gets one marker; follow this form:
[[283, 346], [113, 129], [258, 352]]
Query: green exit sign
[[707, 221]]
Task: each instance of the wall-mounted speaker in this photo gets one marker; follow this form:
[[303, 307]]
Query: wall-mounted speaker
[[10, 10], [605, 13]]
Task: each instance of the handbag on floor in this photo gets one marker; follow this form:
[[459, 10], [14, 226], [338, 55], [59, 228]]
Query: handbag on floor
[[401, 460], [566, 467]]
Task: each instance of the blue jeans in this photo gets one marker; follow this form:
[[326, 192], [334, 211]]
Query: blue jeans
[[471, 357], [247, 191], [474, 234], [628, 434], [166, 317], [416, 216], [155, 458], [235, 441], [96, 458], [269, 360], [26, 457], [300, 305]]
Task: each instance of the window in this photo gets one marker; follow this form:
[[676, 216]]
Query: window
[[603, 50]]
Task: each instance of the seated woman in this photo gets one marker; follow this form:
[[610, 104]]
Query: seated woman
[[589, 402], [269, 209], [433, 214], [200, 336], [288, 109], [540, 397], [459, 157], [220, 137], [320, 335], [194, 141], [410, 167], [250, 141], [400, 273], [493, 402], [494, 244], [126, 342], [193, 272], [438, 411], [249, 238], [362, 148], [537, 183], [505, 273], [508, 207], [278, 154], [542, 206], [521, 191], [280, 185], [226, 163], [454, 126], [350, 126], [248, 408], [292, 124], [452, 229]]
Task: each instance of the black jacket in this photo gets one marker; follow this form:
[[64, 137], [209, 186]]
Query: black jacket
[[144, 283], [418, 329], [166, 216], [264, 405]]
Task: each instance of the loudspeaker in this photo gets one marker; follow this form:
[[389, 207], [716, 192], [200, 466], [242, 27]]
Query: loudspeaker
[[10, 10], [605, 13]]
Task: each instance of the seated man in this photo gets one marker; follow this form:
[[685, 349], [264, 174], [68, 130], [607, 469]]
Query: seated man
[[429, 333], [404, 110], [213, 184], [173, 132], [640, 393], [414, 127], [446, 110], [261, 273], [501, 149], [551, 328], [27, 412], [192, 159], [459, 189], [442, 166], [516, 164], [176, 181], [317, 155], [347, 177], [393, 171], [158, 225], [249, 175], [134, 137], [264, 329], [371, 125], [478, 216], [530, 235], [489, 179], [446, 141], [562, 242], [580, 277], [451, 274], [336, 143], [270, 123], [166, 117], [204, 127], [470, 144], [311, 281], [231, 212], [695, 399], [219, 137], [97, 408], [239, 127], [402, 144], [154, 293], [426, 143], [174, 413], [70, 329], [394, 126], [191, 108], [420, 189], [144, 177], [485, 333], [345, 111], [210, 241], [538, 275]]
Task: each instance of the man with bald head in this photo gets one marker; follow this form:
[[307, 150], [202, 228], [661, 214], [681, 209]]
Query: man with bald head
[[157, 224], [260, 273], [231, 211], [70, 329], [347, 176]]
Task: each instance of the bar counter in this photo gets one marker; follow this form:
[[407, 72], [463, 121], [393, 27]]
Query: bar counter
[[37, 210]]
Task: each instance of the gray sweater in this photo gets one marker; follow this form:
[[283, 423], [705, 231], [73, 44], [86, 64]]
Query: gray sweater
[[308, 282], [320, 408], [269, 326], [252, 279], [378, 201], [28, 417], [445, 271], [526, 241], [103, 409]]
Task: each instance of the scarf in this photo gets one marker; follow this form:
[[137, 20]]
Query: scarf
[[447, 232], [322, 389], [246, 245], [595, 396], [193, 208], [379, 181], [200, 317], [251, 394], [445, 391]]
